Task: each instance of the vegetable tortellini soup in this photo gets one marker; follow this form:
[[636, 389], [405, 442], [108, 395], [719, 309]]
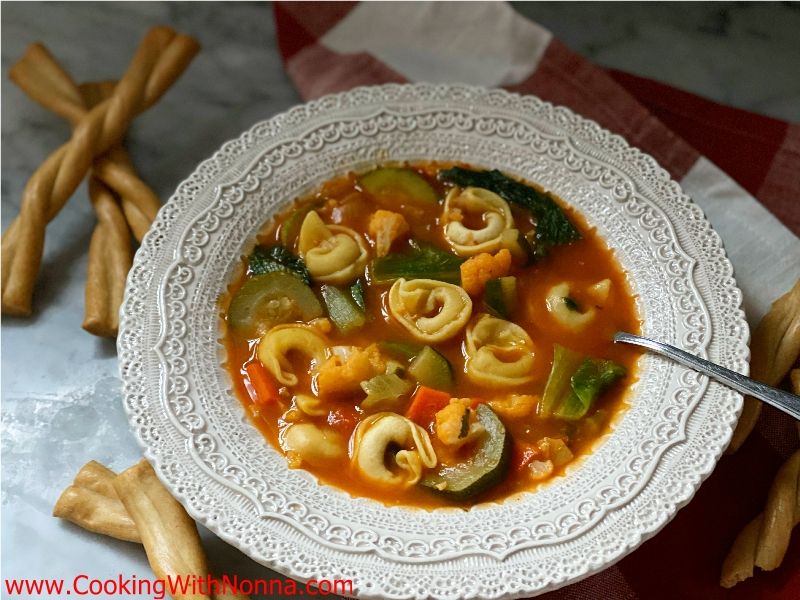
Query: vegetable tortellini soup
[[431, 335]]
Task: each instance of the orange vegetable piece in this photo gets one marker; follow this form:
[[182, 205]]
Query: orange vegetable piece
[[385, 227], [425, 404], [479, 269], [264, 387]]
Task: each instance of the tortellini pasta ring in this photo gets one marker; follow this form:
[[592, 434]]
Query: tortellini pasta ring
[[564, 309], [276, 345], [496, 219], [432, 311], [499, 353], [305, 442], [333, 253], [377, 435]]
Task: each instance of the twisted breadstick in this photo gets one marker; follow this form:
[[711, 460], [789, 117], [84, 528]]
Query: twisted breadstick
[[110, 259], [764, 541], [774, 349], [160, 59], [110, 248], [44, 80]]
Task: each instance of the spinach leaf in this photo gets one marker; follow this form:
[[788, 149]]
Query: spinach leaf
[[553, 228], [267, 259]]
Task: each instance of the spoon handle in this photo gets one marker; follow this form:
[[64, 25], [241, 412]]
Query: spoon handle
[[788, 403]]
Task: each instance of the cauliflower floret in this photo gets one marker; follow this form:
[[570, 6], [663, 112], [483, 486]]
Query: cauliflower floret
[[344, 374], [514, 406], [456, 424], [479, 269], [555, 449], [385, 227]]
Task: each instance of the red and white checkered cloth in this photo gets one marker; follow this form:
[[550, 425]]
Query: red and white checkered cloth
[[723, 157]]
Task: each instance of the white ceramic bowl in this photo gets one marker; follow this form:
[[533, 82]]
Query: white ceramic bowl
[[181, 408]]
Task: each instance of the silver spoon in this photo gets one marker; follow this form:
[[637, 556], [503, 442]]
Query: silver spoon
[[788, 403]]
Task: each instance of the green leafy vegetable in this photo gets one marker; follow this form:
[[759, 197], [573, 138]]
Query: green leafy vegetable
[[268, 259], [575, 383], [423, 262], [553, 228], [592, 378]]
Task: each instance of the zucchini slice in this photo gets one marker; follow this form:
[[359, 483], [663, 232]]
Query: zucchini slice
[[431, 369], [393, 182], [271, 299], [500, 297], [342, 309], [486, 468]]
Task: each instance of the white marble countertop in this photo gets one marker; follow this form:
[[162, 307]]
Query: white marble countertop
[[61, 401]]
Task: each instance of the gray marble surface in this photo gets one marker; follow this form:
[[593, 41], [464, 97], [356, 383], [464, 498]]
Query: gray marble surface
[[60, 393]]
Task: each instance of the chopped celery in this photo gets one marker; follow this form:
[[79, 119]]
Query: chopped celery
[[401, 349], [500, 297], [342, 309], [271, 299], [269, 259], [565, 363], [423, 262], [385, 392], [394, 182], [431, 369]]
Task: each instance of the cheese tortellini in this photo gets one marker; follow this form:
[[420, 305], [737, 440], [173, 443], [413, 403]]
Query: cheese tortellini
[[333, 253], [384, 433], [565, 310], [432, 311], [305, 442], [499, 353], [276, 345], [464, 205]]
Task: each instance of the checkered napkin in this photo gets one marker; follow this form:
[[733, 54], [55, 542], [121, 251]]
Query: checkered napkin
[[743, 170]]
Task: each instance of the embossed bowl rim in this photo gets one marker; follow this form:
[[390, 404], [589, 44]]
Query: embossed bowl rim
[[182, 412]]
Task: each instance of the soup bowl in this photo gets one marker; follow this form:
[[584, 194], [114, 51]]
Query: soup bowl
[[193, 429]]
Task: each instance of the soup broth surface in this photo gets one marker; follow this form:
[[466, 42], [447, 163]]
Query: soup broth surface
[[540, 444]]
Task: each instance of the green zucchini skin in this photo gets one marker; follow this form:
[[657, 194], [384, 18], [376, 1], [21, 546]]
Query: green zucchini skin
[[397, 180], [488, 466]]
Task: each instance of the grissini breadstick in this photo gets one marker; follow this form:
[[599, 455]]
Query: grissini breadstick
[[774, 349], [96, 512], [110, 259], [45, 81], [97, 479], [780, 515], [763, 542], [169, 535], [161, 58], [139, 202]]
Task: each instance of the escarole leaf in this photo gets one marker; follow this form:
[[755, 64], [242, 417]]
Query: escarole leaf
[[268, 259], [553, 228], [575, 383], [422, 262]]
